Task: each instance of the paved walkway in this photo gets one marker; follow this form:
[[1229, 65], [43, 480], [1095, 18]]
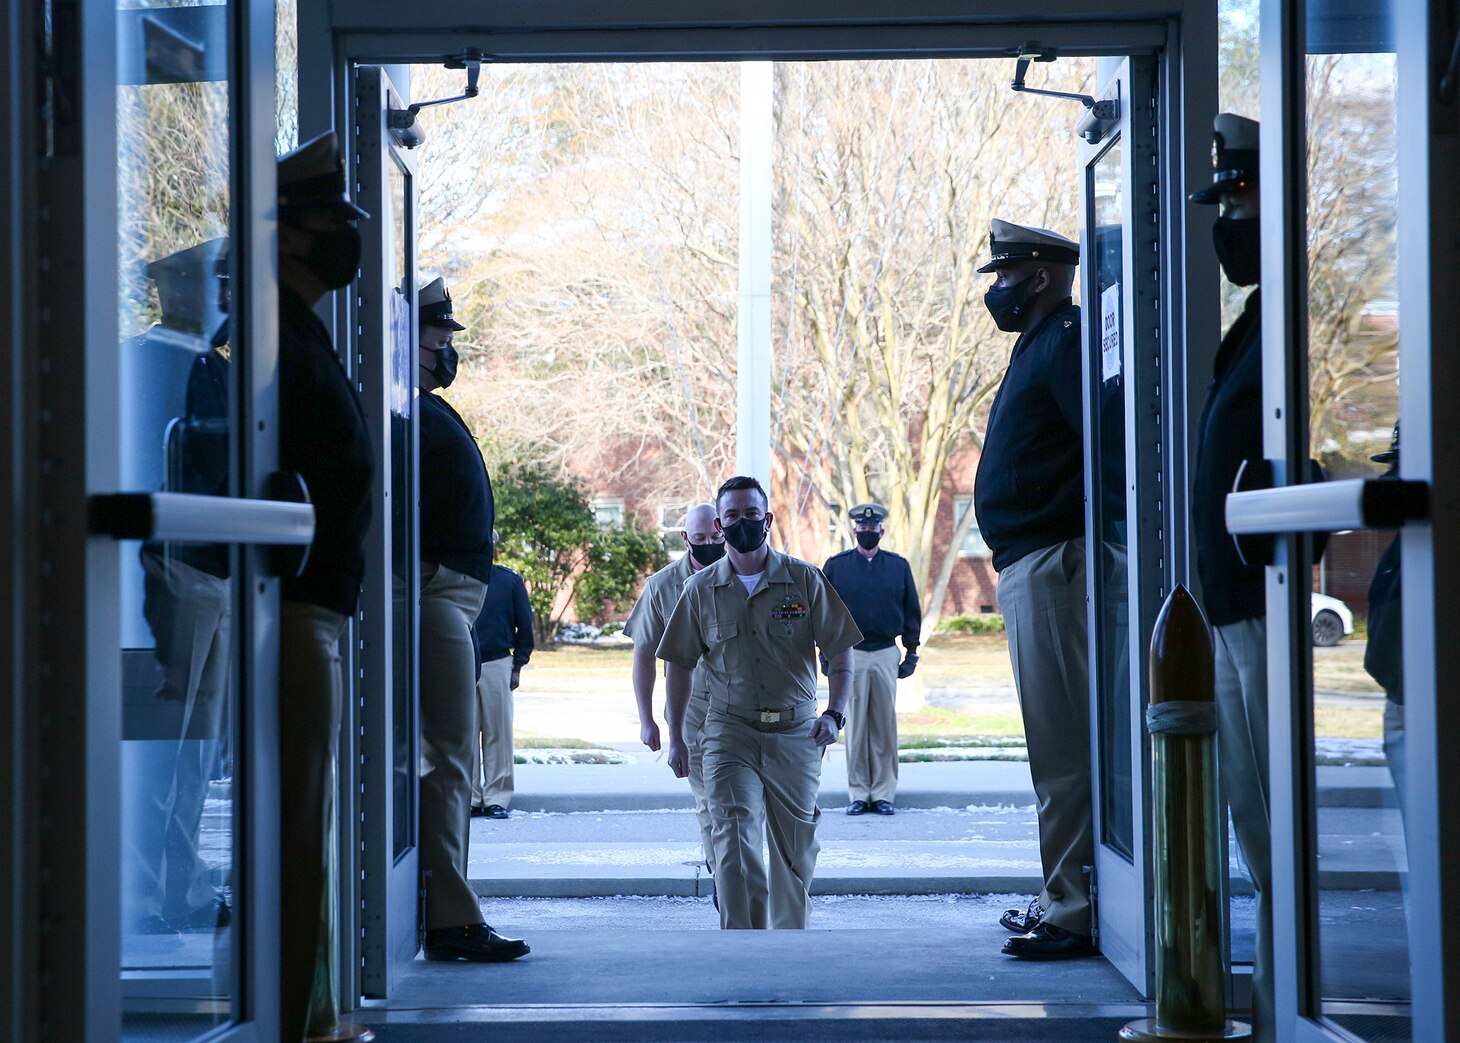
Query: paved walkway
[[962, 827]]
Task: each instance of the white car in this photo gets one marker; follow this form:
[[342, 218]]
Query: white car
[[1332, 620]]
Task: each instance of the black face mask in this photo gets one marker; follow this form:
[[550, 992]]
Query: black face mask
[[1239, 248], [706, 554], [868, 540], [334, 256], [446, 360], [1010, 305], [746, 535]]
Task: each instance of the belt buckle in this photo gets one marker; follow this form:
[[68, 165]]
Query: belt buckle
[[770, 717]]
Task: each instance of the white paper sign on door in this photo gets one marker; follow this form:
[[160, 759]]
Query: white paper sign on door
[[1110, 353]]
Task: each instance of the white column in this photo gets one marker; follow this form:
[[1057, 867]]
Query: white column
[[753, 377]]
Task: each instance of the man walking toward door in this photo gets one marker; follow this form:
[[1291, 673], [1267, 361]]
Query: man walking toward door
[[704, 545], [755, 621]]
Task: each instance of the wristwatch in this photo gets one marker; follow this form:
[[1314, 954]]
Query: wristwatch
[[837, 716]]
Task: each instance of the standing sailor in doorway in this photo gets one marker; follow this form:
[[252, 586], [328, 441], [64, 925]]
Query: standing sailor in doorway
[[754, 622], [1234, 593], [456, 566], [504, 646], [703, 545], [323, 439], [1029, 497], [877, 586]]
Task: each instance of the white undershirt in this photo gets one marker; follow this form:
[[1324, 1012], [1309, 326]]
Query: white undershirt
[[751, 580]]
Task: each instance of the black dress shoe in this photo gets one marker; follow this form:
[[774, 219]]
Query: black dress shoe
[[477, 811], [495, 811], [154, 925], [476, 942], [857, 807], [215, 915], [1048, 942], [1022, 921], [883, 807]]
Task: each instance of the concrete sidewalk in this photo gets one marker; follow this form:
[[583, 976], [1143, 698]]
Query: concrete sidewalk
[[648, 784], [962, 827]]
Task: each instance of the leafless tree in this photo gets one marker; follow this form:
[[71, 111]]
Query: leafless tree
[[889, 173]]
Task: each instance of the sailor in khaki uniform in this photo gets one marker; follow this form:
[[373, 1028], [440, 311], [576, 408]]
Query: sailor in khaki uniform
[[704, 545], [754, 622]]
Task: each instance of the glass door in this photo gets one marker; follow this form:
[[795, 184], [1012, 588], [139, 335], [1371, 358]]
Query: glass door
[[191, 376], [385, 321], [1359, 287], [1127, 570]]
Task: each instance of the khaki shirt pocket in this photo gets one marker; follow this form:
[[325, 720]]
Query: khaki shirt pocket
[[723, 654]]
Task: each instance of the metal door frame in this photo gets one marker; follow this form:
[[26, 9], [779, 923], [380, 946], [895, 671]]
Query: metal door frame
[[63, 725], [390, 898], [1429, 290], [1124, 888], [1181, 34]]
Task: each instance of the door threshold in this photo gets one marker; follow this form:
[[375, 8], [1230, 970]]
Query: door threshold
[[1034, 1022]]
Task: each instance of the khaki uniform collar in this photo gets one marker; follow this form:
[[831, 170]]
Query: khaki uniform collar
[[775, 570]]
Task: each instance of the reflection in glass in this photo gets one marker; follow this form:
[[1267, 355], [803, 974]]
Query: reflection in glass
[[1353, 330], [1105, 310], [178, 662], [404, 560]]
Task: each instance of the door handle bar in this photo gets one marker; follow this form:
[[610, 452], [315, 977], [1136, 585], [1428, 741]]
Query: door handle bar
[[192, 518], [1359, 503]]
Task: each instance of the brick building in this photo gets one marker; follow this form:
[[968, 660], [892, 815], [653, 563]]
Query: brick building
[[643, 490]]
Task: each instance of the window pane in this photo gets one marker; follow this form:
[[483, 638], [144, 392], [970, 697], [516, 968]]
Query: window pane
[[1353, 379], [177, 435]]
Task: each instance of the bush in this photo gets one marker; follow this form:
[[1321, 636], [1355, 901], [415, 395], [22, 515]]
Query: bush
[[549, 535], [992, 623]]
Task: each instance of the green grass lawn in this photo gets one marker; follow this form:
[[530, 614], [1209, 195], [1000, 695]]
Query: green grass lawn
[[966, 661], [532, 741], [947, 661], [579, 668]]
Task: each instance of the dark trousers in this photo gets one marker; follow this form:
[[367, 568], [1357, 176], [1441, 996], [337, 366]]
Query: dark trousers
[[311, 687]]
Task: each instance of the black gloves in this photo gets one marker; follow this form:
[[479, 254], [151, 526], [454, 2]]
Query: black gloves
[[907, 666]]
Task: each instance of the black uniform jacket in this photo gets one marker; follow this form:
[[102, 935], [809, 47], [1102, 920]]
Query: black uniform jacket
[[1029, 492], [1384, 651], [457, 512], [1230, 432], [881, 596], [505, 626], [198, 456], [323, 437]]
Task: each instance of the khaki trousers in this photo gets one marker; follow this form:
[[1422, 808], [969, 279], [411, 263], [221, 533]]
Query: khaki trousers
[[872, 726], [1241, 655], [694, 725], [758, 783], [1042, 597], [191, 615], [450, 604], [311, 697], [492, 775]]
